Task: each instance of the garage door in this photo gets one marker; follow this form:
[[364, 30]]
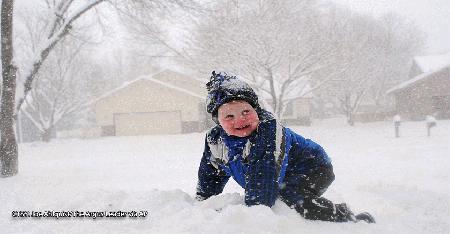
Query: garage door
[[132, 124]]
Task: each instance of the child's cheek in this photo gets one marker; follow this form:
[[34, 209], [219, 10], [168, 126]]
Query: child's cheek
[[228, 126], [254, 119]]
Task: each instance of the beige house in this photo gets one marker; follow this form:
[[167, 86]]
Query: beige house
[[297, 100], [168, 103], [298, 111], [165, 103], [427, 92]]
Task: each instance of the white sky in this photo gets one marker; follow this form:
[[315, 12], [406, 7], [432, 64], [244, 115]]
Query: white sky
[[432, 16]]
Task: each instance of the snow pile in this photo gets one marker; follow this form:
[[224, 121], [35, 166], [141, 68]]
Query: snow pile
[[403, 182]]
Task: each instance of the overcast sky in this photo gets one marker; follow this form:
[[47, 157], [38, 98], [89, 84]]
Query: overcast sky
[[432, 16]]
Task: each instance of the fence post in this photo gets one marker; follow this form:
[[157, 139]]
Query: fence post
[[397, 121], [431, 122]]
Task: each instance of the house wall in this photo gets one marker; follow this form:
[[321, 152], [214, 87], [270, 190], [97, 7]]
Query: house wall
[[411, 105], [167, 122], [146, 96], [302, 107], [301, 113], [416, 101]]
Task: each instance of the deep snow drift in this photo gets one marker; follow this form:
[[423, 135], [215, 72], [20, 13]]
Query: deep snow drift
[[404, 182]]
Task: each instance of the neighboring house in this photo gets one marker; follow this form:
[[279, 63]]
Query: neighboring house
[[298, 111], [164, 103], [168, 103], [298, 103], [427, 92]]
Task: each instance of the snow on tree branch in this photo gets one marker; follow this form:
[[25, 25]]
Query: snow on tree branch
[[61, 25]]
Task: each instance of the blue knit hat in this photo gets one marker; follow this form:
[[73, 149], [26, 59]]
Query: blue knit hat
[[223, 88]]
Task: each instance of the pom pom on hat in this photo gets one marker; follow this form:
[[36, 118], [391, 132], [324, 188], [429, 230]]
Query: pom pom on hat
[[223, 88]]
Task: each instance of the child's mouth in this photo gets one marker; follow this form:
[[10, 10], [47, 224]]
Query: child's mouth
[[243, 127]]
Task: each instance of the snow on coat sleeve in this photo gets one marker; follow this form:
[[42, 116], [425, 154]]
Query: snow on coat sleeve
[[305, 158], [261, 186], [308, 156], [211, 180]]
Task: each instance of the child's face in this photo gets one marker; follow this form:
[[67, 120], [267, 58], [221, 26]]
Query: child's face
[[238, 118]]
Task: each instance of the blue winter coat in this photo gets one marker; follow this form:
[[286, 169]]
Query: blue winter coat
[[273, 161]]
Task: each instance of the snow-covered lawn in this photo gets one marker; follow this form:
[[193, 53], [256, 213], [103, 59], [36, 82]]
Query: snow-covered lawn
[[404, 182]]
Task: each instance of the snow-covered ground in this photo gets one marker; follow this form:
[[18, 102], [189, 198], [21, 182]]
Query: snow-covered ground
[[404, 182]]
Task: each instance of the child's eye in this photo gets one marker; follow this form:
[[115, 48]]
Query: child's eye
[[245, 112], [229, 116]]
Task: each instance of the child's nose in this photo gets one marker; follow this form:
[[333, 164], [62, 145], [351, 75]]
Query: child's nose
[[241, 119]]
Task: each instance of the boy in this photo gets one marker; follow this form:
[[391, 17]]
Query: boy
[[265, 158]]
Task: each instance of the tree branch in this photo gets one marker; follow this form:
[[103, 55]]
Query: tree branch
[[51, 43]]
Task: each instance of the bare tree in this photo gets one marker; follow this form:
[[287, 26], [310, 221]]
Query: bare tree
[[400, 41], [59, 26], [360, 49], [290, 48], [59, 90], [63, 15], [153, 27], [379, 52], [276, 45]]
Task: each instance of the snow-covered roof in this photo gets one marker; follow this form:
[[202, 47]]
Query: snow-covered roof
[[418, 78], [176, 88], [195, 87], [167, 82], [182, 81], [432, 62]]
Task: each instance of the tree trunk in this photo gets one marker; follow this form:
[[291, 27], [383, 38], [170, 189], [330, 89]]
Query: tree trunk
[[47, 135], [350, 119], [8, 144]]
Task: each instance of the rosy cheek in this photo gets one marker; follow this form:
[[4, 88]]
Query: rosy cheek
[[253, 118], [227, 125]]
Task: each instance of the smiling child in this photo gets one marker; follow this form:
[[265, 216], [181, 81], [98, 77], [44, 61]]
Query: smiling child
[[268, 160]]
